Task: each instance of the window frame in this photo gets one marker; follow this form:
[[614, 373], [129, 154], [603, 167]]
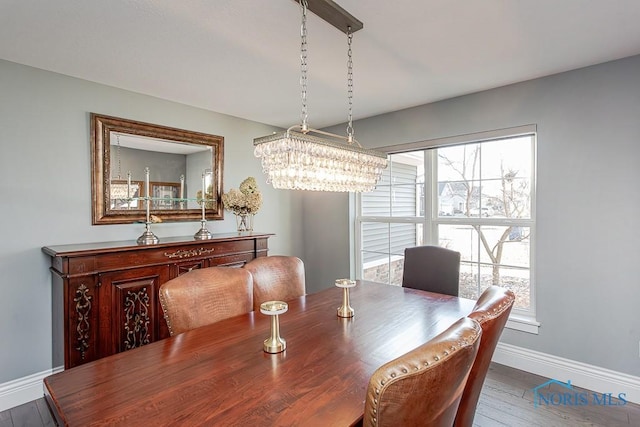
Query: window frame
[[520, 319]]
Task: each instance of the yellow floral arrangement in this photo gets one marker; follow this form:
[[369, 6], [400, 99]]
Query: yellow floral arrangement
[[247, 200]]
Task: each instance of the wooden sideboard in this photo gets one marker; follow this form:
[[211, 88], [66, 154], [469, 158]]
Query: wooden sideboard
[[105, 295]]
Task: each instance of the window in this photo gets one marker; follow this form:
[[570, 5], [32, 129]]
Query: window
[[475, 196]]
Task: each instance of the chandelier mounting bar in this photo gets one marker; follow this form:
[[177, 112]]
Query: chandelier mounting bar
[[334, 14]]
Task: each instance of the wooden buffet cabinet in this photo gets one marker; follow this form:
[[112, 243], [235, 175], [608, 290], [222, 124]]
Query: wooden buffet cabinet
[[105, 295]]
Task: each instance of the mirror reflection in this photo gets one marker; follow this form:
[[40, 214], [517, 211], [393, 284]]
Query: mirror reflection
[[175, 171], [177, 160]]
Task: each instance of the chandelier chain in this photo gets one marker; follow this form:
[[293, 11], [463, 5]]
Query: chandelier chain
[[118, 156], [301, 158], [303, 64], [350, 86]]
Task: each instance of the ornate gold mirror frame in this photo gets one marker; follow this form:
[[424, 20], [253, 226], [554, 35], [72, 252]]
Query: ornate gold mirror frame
[[177, 160]]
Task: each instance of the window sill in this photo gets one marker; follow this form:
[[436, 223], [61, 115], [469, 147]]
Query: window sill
[[523, 324]]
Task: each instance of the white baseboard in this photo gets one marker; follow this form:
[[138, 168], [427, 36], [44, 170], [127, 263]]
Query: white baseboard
[[26, 389], [22, 390], [17, 392], [583, 375]]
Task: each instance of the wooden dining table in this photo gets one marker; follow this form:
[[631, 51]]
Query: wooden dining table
[[219, 375]]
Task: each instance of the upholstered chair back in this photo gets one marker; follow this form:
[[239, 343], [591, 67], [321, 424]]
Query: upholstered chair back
[[432, 268], [205, 296], [276, 277], [424, 386], [491, 312]]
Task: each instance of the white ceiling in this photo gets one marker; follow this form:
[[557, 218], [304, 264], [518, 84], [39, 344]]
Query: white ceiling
[[241, 57]]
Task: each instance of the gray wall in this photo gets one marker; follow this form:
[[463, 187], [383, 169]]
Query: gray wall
[[588, 289], [45, 188], [325, 232], [588, 149], [163, 167]]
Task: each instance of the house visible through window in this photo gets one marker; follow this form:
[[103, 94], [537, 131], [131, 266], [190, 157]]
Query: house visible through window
[[476, 198]]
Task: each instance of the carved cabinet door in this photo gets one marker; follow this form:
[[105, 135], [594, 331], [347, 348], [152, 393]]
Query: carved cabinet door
[[82, 305], [134, 316]]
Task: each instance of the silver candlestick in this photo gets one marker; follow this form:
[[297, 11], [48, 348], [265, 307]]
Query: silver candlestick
[[181, 192], [147, 238], [203, 233]]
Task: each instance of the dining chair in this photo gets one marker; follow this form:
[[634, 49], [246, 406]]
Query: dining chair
[[432, 268], [204, 296], [423, 387], [491, 312], [276, 277]]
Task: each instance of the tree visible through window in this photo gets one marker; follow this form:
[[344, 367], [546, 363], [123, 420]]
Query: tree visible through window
[[484, 212], [474, 198]]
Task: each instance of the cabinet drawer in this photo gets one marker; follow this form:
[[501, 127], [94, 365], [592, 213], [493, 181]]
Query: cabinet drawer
[[82, 265], [231, 260], [172, 255]]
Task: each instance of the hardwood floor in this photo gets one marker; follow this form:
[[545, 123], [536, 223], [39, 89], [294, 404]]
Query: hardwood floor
[[507, 400], [31, 414]]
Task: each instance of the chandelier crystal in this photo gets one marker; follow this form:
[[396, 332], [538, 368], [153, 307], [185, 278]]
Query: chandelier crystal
[[300, 161], [302, 158], [119, 191]]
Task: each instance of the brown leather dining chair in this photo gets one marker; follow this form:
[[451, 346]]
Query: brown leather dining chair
[[205, 296], [432, 268], [491, 312], [423, 387], [276, 277]]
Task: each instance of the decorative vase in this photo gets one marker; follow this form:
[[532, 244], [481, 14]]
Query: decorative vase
[[244, 222]]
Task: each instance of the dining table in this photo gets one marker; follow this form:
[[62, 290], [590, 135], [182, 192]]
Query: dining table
[[220, 375]]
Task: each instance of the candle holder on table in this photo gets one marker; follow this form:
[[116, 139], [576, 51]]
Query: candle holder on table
[[274, 344], [147, 238], [345, 310]]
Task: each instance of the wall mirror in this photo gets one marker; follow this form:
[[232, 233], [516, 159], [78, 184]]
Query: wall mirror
[[181, 163]]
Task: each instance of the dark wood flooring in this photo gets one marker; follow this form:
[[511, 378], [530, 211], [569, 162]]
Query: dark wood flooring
[[507, 400]]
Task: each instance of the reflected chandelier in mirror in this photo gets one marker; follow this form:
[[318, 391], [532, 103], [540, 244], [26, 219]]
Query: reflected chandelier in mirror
[[121, 149]]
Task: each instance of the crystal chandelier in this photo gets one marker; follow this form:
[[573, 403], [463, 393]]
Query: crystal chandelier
[[120, 190], [302, 158]]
